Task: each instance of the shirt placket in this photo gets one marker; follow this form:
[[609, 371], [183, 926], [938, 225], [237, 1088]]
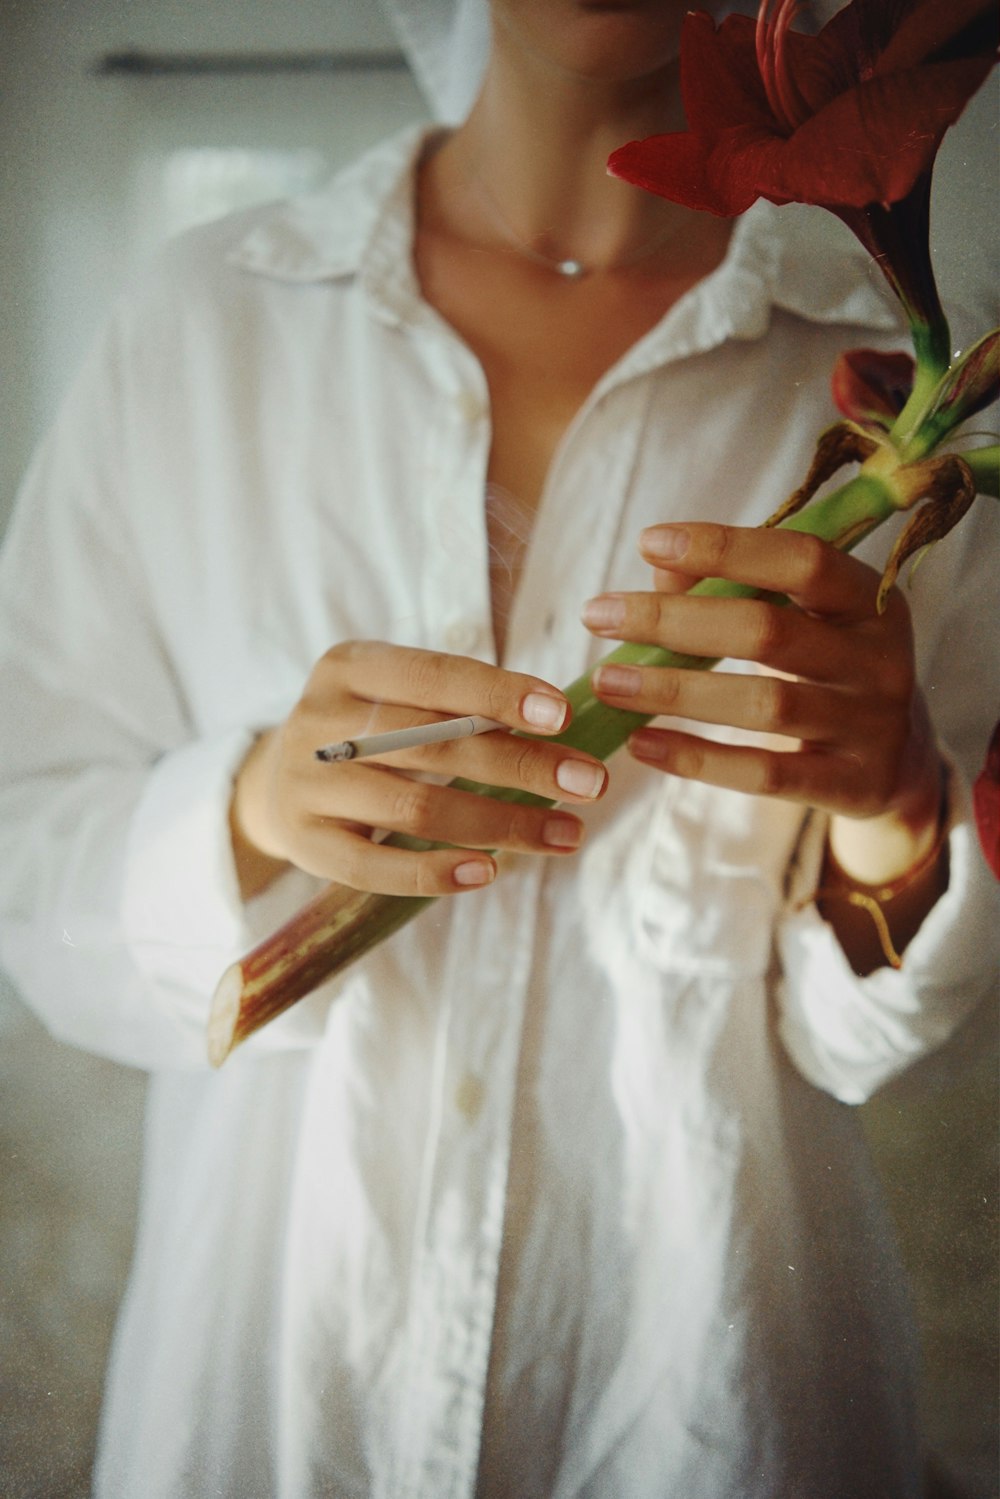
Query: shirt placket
[[460, 1234], [434, 1454], [456, 1265], [455, 584], [578, 531]]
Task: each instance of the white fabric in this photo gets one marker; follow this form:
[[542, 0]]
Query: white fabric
[[539, 1168], [446, 43]]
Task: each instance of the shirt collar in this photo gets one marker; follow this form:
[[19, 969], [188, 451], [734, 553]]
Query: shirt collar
[[359, 224], [794, 258], [806, 262]]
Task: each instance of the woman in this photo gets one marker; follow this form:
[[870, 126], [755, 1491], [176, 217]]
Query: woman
[[556, 1194]]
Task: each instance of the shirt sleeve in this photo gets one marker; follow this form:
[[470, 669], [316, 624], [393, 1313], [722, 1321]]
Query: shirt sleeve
[[850, 1035], [119, 902]]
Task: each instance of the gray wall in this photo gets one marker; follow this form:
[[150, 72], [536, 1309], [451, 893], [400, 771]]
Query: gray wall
[[78, 155], [78, 151]]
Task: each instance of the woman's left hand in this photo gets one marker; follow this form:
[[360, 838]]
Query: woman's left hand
[[839, 685]]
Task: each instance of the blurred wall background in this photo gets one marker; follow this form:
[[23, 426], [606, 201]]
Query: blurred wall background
[[95, 168]]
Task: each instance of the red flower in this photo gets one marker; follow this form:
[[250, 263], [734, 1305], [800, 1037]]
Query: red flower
[[850, 119], [986, 804]]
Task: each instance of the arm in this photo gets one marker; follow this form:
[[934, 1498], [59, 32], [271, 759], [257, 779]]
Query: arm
[[120, 897], [116, 892]]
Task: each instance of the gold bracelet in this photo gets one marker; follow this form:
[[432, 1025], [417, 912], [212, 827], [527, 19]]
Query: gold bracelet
[[872, 898]]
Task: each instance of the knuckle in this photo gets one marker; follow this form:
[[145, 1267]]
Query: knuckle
[[425, 672], [775, 773], [718, 543], [522, 827], [779, 703], [427, 878], [411, 807], [497, 697], [648, 613], [668, 686], [343, 653], [524, 767], [353, 861], [812, 559], [331, 659], [769, 631], [687, 758]]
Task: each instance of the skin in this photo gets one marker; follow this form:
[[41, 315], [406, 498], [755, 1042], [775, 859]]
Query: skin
[[567, 81]]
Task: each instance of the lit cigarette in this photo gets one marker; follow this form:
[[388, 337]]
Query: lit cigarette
[[399, 739]]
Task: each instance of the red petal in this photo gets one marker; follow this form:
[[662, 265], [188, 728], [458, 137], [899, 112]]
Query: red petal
[[720, 80], [823, 66], [707, 173], [871, 144], [986, 804], [871, 387]]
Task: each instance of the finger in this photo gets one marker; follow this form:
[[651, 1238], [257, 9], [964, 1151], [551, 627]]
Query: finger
[[744, 629], [811, 572], [376, 796], [760, 702], [667, 581], [812, 776], [512, 762], [341, 854], [443, 685]]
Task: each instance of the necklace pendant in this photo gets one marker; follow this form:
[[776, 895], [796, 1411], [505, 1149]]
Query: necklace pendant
[[571, 269]]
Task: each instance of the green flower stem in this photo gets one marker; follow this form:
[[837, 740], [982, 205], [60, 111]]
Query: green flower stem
[[985, 466], [907, 430], [341, 925], [941, 401], [931, 348]]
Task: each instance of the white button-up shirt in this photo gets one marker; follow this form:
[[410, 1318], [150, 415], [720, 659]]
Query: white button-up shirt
[[557, 1193]]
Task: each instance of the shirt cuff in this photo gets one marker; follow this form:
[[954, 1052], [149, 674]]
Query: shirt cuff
[[183, 916], [849, 1035]]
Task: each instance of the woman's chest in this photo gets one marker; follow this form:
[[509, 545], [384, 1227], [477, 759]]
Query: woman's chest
[[544, 346]]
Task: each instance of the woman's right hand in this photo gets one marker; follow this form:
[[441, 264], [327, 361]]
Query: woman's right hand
[[290, 808]]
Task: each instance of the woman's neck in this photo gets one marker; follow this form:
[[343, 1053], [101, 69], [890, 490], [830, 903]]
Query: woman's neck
[[529, 164]]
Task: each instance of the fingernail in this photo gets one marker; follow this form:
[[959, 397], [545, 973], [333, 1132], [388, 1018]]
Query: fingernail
[[544, 712], [475, 872], [562, 832], [665, 543], [581, 778], [619, 681], [604, 613]]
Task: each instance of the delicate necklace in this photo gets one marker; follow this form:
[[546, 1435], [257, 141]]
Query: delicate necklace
[[569, 268]]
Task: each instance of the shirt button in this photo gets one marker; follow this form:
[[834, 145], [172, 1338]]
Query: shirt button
[[470, 406], [469, 1096], [463, 635]]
